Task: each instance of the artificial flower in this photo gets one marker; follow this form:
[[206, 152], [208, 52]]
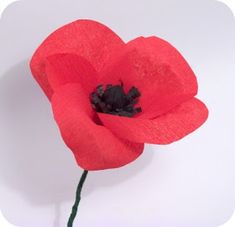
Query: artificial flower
[[110, 97]]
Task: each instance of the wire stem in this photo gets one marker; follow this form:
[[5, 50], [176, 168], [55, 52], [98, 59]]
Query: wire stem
[[78, 198]]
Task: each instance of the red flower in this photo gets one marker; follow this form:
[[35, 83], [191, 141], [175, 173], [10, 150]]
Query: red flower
[[86, 71]]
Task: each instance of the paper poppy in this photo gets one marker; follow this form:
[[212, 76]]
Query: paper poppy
[[109, 97]]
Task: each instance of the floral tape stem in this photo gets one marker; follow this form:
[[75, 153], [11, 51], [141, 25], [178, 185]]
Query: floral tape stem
[[78, 198]]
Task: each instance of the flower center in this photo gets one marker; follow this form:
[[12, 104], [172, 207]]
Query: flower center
[[113, 100]]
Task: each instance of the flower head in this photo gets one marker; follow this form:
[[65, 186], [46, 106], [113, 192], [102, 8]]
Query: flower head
[[109, 97]]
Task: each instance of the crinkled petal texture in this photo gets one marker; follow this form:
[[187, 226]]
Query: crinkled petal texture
[[86, 38], [76, 58], [164, 129], [158, 70], [70, 68], [167, 85], [94, 146]]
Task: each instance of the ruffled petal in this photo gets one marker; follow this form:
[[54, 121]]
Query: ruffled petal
[[94, 146], [164, 129], [158, 70], [70, 68], [89, 39]]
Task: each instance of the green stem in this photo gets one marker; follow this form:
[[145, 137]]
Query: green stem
[[78, 198]]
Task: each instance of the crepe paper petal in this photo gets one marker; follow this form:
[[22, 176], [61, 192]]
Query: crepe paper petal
[[158, 70], [164, 129], [93, 145], [86, 38], [70, 68]]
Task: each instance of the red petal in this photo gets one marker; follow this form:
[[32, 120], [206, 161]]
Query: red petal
[[94, 146], [70, 68], [158, 70], [89, 39], [164, 129]]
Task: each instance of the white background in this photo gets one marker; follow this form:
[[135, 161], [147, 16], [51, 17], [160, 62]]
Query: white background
[[189, 178]]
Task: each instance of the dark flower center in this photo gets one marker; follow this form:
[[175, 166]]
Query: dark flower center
[[113, 100]]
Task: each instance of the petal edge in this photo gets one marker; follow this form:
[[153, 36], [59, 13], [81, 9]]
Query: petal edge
[[94, 146], [165, 129]]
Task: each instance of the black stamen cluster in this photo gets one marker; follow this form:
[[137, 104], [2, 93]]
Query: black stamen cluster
[[113, 100]]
